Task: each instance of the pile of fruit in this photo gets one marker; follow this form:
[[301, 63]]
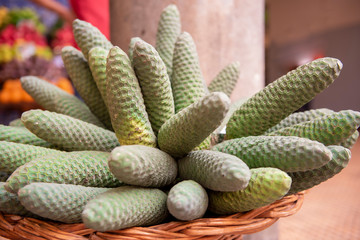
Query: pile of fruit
[[24, 51], [22, 36], [144, 143]]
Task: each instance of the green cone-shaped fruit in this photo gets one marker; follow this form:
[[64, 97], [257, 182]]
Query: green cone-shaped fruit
[[69, 133], [54, 99], [299, 117], [215, 170], [331, 129], [14, 155], [10, 204], [226, 79], [155, 84], [350, 141], [265, 186], [308, 179], [125, 102], [169, 28], [58, 202], [282, 97], [188, 128], [288, 153], [142, 166], [79, 71], [16, 123], [187, 82], [187, 200], [21, 135], [97, 64], [86, 168], [125, 207], [131, 47], [87, 36]]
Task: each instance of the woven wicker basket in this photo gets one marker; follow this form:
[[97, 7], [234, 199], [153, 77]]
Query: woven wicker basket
[[224, 228]]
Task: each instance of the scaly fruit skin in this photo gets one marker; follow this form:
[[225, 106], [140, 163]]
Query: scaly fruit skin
[[87, 36], [125, 207], [58, 202], [10, 204], [282, 97], [97, 64], [86, 168], [125, 102], [299, 117], [288, 153], [308, 179], [187, 200], [226, 79], [69, 133], [187, 82], [21, 135], [266, 186], [188, 128], [350, 141], [16, 123], [142, 166], [131, 48], [14, 155], [54, 99], [79, 71], [169, 28], [155, 84], [331, 129], [215, 170]]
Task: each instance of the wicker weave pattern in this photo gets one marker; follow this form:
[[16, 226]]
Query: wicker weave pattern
[[224, 228]]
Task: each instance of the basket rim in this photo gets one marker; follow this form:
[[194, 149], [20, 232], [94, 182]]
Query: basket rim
[[17, 227]]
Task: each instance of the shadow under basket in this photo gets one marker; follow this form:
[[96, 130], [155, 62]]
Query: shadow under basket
[[229, 227]]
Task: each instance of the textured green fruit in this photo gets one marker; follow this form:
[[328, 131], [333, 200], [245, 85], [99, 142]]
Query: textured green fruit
[[54, 99], [282, 97], [79, 71], [10, 204], [58, 202], [86, 168], [350, 142], [169, 28], [14, 155], [233, 106], [97, 64], [266, 186], [331, 129], [215, 170], [155, 84], [187, 81], [142, 166], [69, 133], [288, 153], [299, 117], [131, 47], [125, 102], [21, 135], [125, 207], [226, 79], [187, 200], [16, 123], [87, 36], [308, 179], [188, 128]]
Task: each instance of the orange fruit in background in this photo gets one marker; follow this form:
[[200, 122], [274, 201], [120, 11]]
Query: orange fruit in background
[[13, 93]]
